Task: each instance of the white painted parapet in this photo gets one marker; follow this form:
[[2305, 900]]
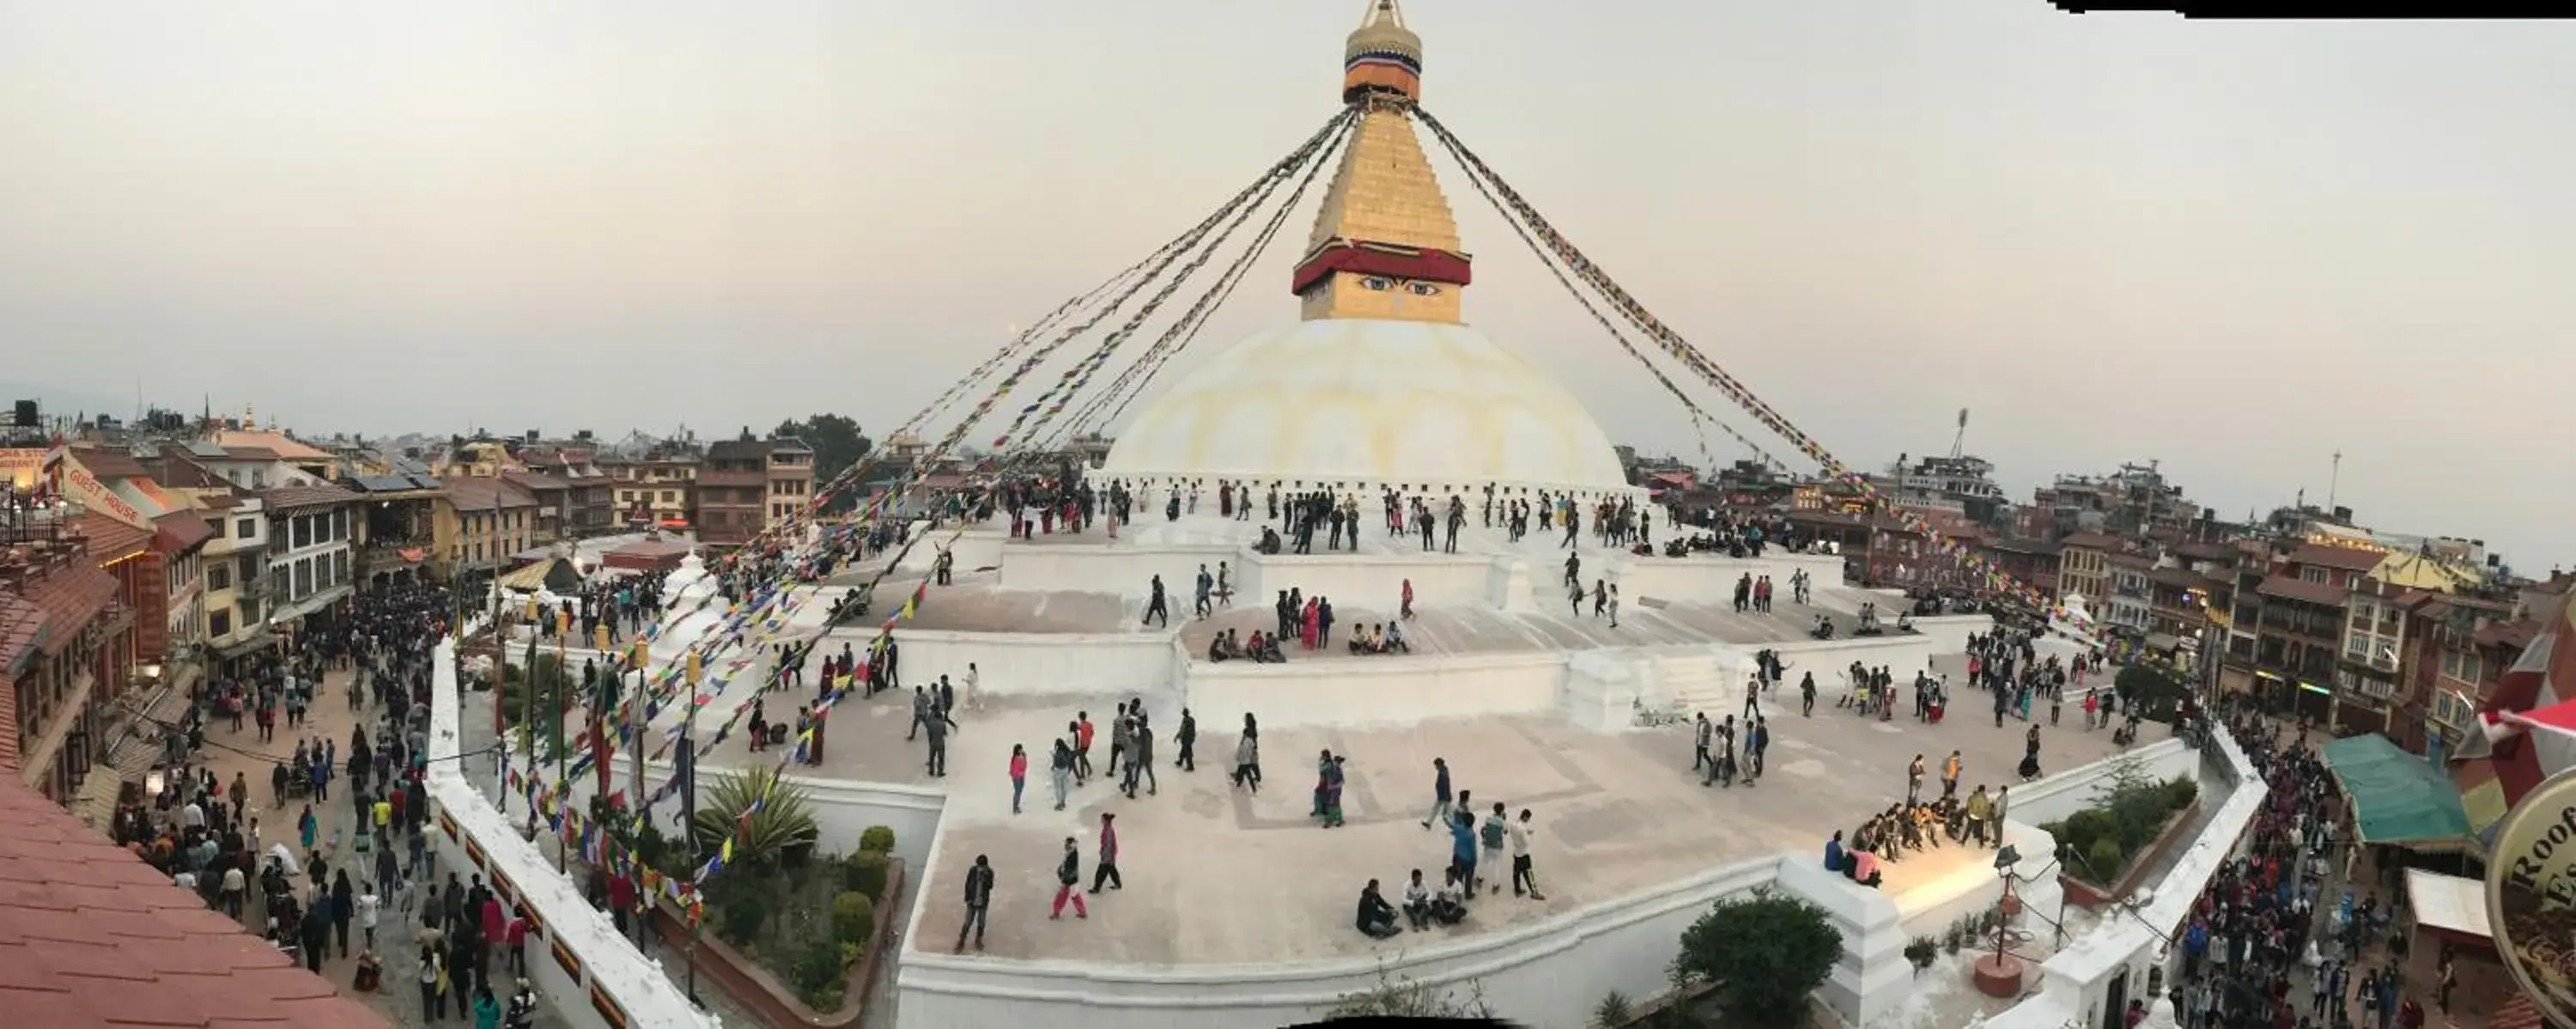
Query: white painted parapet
[[595, 978], [1018, 664], [1378, 690]]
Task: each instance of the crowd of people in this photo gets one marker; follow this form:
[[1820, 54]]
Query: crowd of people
[[311, 894]]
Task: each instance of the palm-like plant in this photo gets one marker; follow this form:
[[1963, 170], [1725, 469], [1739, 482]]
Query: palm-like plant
[[783, 825]]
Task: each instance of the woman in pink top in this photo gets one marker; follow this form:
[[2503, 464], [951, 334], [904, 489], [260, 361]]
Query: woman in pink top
[[1019, 775]]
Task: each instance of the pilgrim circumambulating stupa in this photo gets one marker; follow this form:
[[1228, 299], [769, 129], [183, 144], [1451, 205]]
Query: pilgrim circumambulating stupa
[[1382, 384]]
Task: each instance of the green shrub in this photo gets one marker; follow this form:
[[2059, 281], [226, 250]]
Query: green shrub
[[816, 967], [865, 872], [1613, 1012], [779, 831], [2103, 859], [1762, 954], [877, 839], [854, 916], [743, 916]]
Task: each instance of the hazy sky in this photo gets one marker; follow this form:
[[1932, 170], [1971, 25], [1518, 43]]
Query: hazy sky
[[2233, 248]]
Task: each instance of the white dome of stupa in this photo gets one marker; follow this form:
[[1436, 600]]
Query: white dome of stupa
[[1368, 402]]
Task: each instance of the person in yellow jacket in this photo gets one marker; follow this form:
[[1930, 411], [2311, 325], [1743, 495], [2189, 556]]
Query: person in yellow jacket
[[1950, 769]]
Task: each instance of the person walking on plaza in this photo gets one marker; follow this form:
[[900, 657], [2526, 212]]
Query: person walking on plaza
[[1522, 876], [1247, 760], [1187, 739], [1060, 771], [1140, 757], [1121, 728], [1439, 792], [1068, 878], [1019, 775], [937, 765], [1107, 871], [979, 898], [1950, 768], [1699, 745], [1757, 741], [1914, 780], [1158, 608]]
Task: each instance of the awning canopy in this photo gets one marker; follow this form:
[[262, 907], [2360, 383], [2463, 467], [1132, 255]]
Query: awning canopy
[[2397, 797], [2449, 906], [555, 574]]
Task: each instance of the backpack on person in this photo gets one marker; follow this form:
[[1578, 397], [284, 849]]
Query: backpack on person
[[1494, 833]]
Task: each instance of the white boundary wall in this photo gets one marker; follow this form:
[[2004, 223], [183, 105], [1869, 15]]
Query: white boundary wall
[[606, 969], [1386, 689], [2075, 983], [1040, 664], [1710, 580], [1125, 569]]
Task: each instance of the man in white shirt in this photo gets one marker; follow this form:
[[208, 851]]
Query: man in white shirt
[[1521, 874], [368, 905], [192, 816]]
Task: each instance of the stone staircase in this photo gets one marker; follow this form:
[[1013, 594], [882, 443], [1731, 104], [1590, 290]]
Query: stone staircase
[[1692, 679]]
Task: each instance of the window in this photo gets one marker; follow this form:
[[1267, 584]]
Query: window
[[2312, 574], [300, 533], [340, 567], [219, 577], [340, 524], [303, 578], [670, 496], [217, 525], [219, 623], [247, 528]]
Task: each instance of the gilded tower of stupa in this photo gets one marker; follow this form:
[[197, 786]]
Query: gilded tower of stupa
[[1384, 245]]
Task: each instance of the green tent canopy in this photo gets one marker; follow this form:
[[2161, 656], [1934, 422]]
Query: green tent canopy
[[2397, 797]]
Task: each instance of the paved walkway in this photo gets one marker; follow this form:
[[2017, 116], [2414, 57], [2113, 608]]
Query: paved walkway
[[228, 752]]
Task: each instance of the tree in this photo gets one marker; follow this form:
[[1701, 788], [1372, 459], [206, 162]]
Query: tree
[[2154, 692], [1762, 954], [782, 830], [838, 444]]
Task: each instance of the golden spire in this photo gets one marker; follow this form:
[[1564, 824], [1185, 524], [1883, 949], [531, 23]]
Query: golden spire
[[1384, 245]]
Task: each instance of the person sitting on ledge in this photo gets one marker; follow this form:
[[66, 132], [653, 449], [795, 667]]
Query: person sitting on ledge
[[1449, 906], [1904, 622], [1269, 541], [1417, 902], [1222, 647], [1834, 852], [1394, 642], [1824, 629], [1868, 621], [1264, 649], [1864, 869], [1376, 916], [1363, 642]]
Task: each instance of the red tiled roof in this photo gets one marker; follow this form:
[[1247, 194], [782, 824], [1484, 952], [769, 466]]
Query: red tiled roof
[[112, 540], [2351, 559], [92, 936], [110, 464], [2294, 588], [471, 493], [180, 530], [288, 498], [251, 454], [2514, 635], [70, 596]]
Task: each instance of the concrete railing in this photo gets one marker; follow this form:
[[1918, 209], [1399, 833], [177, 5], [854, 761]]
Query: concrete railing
[[594, 975]]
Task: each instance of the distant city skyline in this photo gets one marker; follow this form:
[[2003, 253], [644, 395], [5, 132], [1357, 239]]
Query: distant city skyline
[[2234, 248]]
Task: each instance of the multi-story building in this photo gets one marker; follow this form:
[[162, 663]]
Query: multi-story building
[[233, 564], [396, 526], [1963, 484], [312, 564], [2031, 562], [2393, 618], [2128, 605], [658, 490], [313, 462], [2084, 567], [150, 541], [2131, 501], [2299, 616], [554, 505], [63, 632], [480, 522], [590, 502], [747, 483]]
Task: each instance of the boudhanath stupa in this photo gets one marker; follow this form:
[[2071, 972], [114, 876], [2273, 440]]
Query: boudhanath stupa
[[1236, 906]]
